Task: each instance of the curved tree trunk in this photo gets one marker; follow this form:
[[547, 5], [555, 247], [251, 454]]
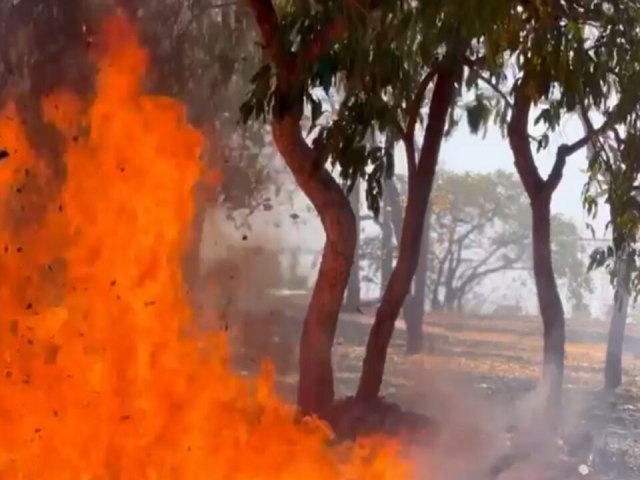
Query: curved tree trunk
[[315, 387], [419, 185], [540, 191], [550, 303], [615, 343]]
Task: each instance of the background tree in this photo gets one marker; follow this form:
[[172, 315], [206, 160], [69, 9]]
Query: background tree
[[479, 228]]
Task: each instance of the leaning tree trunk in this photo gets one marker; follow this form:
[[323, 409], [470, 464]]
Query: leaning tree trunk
[[615, 343], [352, 301], [550, 303], [420, 183], [315, 386]]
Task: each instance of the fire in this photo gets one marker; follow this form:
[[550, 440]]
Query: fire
[[104, 375]]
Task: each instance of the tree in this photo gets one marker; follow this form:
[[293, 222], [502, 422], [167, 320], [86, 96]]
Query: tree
[[442, 38], [616, 184], [479, 228], [368, 54], [567, 57], [279, 92]]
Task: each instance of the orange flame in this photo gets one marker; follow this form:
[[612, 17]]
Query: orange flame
[[104, 375]]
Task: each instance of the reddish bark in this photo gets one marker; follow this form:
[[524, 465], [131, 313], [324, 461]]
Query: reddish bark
[[315, 387], [420, 183], [540, 191], [549, 302]]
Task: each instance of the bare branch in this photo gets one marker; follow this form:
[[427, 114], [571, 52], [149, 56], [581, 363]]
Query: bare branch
[[473, 65], [590, 137]]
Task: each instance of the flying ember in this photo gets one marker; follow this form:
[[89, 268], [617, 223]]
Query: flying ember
[[104, 376]]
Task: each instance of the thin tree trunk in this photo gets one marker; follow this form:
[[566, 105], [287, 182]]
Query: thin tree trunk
[[386, 258], [352, 301], [550, 304], [420, 184], [615, 343], [315, 386], [413, 310]]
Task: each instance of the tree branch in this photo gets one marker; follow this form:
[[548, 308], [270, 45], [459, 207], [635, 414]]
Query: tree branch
[[555, 175], [566, 150], [519, 140], [590, 137], [417, 101], [473, 65], [476, 273]]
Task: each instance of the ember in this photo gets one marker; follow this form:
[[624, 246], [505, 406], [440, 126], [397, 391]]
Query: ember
[[104, 374]]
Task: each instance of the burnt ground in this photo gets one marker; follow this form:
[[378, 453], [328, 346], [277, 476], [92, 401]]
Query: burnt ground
[[479, 380]]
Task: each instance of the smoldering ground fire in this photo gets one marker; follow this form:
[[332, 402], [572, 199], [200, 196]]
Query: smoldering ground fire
[[104, 373]]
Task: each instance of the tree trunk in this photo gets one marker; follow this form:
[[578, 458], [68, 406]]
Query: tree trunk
[[420, 183], [352, 301], [615, 343], [550, 303], [386, 248], [315, 387], [540, 191], [413, 310]]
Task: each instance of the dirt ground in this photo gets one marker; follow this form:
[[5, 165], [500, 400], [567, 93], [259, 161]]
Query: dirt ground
[[479, 378]]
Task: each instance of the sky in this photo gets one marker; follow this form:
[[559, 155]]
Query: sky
[[468, 152]]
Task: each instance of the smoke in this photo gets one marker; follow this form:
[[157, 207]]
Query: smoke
[[487, 437]]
